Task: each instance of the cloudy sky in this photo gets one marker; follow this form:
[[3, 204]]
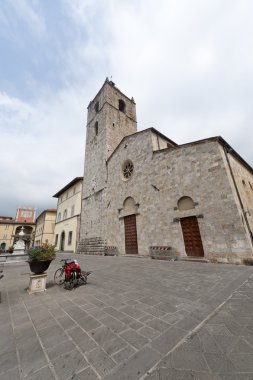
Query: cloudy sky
[[187, 63]]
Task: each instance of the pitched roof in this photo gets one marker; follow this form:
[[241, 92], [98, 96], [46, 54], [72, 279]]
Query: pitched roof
[[71, 183]]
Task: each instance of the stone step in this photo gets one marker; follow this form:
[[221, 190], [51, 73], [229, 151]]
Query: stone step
[[193, 258]]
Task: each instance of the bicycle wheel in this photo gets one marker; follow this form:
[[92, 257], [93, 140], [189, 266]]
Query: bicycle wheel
[[69, 285], [59, 276]]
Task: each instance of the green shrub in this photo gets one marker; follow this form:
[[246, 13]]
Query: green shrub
[[44, 252]]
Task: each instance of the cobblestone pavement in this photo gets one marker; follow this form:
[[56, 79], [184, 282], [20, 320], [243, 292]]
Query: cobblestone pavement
[[135, 319]]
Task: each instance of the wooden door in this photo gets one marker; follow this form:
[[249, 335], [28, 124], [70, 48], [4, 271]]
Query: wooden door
[[192, 238], [131, 243]]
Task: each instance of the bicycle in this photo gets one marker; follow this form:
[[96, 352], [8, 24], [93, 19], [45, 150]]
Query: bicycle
[[70, 274], [59, 276]]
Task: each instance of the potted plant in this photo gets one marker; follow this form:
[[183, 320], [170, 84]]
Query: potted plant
[[39, 258]]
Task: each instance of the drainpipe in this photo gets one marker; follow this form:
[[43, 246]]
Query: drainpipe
[[228, 149]]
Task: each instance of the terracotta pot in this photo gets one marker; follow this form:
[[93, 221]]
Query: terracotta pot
[[39, 266]]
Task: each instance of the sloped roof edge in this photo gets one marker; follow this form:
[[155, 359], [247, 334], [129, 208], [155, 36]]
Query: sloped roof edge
[[71, 183], [139, 132]]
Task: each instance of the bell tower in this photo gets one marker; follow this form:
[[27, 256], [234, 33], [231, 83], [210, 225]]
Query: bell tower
[[111, 117]]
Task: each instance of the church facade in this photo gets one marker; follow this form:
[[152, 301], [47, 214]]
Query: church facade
[[143, 193]]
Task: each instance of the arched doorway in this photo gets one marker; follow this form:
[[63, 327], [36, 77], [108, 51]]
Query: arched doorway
[[62, 242], [192, 237], [131, 241]]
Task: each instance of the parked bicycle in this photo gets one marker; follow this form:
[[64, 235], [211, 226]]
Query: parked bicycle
[[70, 274]]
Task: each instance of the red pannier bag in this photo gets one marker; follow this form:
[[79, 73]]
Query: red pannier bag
[[72, 267]]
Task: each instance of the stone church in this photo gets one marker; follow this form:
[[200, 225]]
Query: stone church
[[143, 194]]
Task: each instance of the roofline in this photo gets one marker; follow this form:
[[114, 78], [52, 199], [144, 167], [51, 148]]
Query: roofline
[[47, 210], [222, 142], [71, 183], [112, 84], [139, 132], [15, 222]]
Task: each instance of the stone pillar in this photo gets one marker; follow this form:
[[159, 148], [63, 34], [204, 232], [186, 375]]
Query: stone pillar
[[37, 283]]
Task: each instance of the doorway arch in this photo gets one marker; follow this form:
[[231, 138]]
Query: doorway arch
[[62, 241]]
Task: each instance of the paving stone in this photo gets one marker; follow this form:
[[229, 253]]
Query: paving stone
[[8, 360], [176, 374], [219, 329], [25, 332], [52, 334], [242, 346], [166, 341], [148, 332], [86, 374], [132, 312], [12, 374], [89, 323], [97, 313], [236, 376], [66, 322], [31, 356], [102, 335], [158, 325], [151, 301], [135, 339], [136, 366], [68, 364], [100, 361], [114, 312], [82, 339], [60, 349], [123, 354], [243, 362], [186, 360], [114, 324], [208, 343], [114, 345], [42, 374], [219, 363]]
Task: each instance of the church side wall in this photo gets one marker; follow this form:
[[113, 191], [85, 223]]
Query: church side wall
[[244, 182], [160, 179]]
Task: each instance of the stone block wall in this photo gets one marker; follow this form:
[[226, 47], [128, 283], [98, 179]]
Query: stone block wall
[[160, 179]]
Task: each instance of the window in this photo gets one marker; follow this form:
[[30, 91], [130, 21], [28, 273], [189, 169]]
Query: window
[[122, 105], [96, 107], [185, 203], [96, 128], [26, 214], [70, 238], [59, 217], [72, 210], [65, 214], [56, 239], [127, 169]]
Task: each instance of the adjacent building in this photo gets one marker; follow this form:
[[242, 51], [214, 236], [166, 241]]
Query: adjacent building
[[45, 224], [144, 192], [10, 228], [67, 226]]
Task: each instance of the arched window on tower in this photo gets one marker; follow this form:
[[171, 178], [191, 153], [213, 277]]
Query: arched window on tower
[[96, 128], [97, 106], [122, 105]]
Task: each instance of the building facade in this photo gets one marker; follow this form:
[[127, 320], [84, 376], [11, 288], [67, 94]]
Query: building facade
[[142, 191], [45, 224], [67, 226], [10, 228]]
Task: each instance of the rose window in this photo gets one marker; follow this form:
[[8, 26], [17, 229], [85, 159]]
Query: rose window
[[128, 169]]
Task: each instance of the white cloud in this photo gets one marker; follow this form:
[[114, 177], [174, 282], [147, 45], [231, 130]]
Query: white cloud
[[188, 66]]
